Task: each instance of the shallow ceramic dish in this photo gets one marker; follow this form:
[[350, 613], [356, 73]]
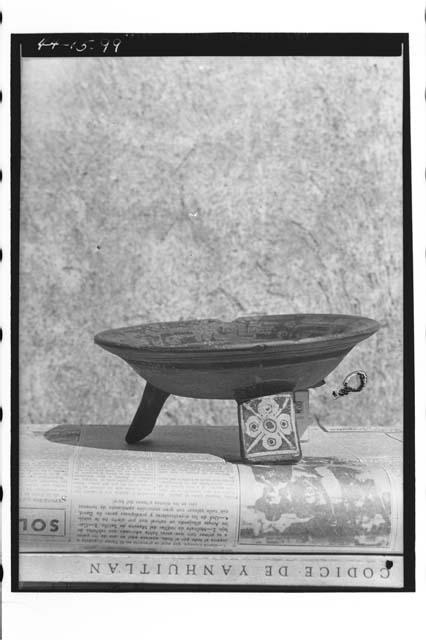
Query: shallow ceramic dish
[[266, 363], [248, 357]]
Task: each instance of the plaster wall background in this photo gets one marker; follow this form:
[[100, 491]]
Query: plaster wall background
[[172, 188]]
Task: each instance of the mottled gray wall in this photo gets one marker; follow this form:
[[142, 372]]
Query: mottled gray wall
[[171, 188]]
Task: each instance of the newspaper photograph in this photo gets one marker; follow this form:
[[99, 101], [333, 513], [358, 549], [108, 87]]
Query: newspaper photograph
[[324, 502]]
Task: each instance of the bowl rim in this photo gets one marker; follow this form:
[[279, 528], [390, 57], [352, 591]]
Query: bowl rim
[[359, 328]]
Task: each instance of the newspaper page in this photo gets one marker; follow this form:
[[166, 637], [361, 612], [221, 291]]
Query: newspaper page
[[78, 494]]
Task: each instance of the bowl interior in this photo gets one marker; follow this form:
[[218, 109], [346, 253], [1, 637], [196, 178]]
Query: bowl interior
[[243, 332]]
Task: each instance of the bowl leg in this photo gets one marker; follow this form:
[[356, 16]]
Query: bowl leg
[[268, 430], [145, 418]]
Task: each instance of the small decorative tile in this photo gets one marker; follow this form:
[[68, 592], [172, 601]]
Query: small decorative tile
[[268, 430]]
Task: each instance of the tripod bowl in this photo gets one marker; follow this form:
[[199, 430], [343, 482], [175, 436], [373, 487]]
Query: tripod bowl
[[248, 357]]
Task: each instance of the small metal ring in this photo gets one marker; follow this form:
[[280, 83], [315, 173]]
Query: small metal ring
[[363, 381], [346, 388]]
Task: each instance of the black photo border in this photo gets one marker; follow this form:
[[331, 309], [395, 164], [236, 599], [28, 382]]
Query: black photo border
[[213, 44]]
